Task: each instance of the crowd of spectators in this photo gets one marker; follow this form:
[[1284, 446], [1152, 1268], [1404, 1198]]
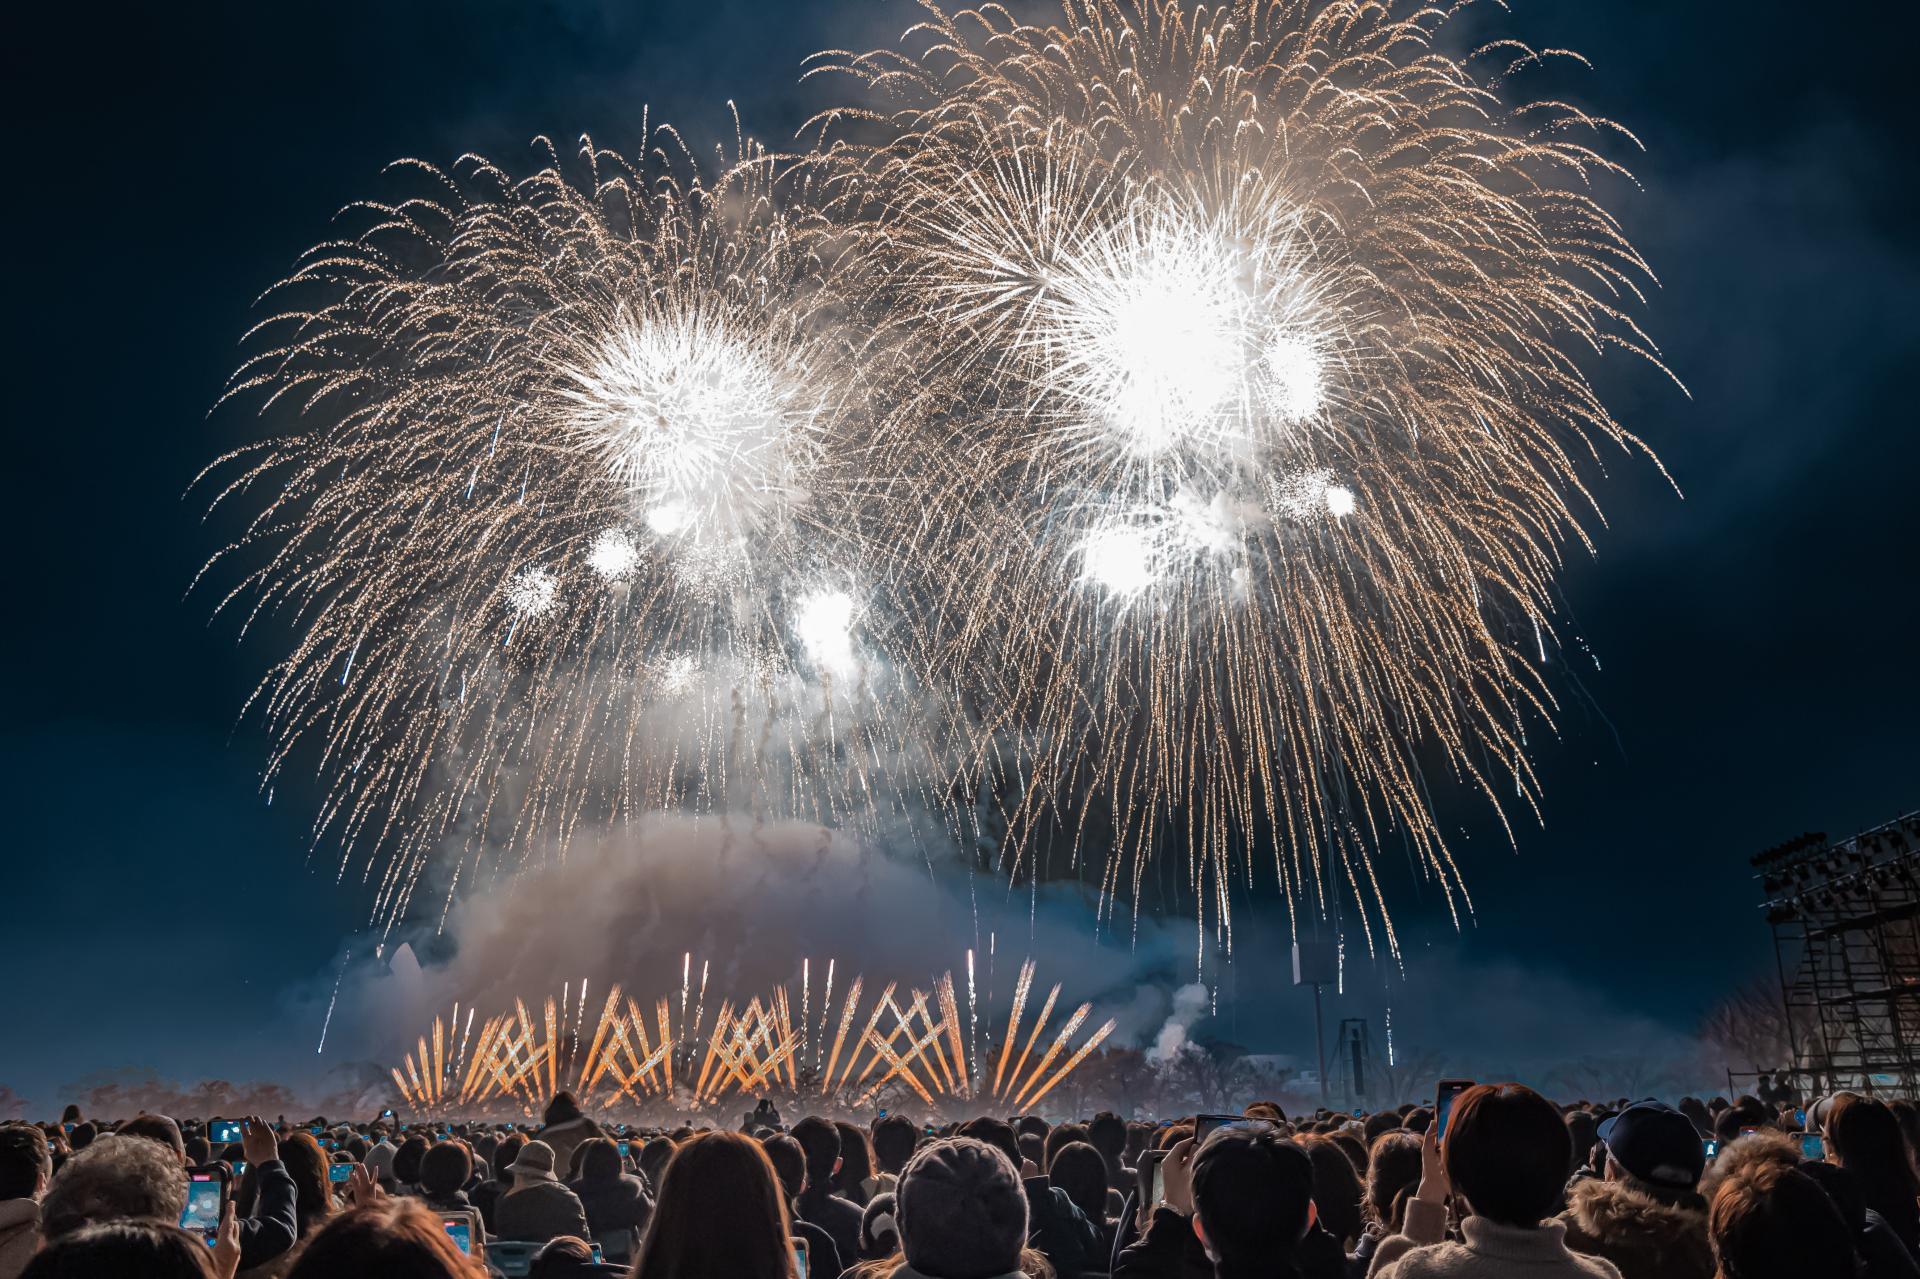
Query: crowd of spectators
[[1515, 1187]]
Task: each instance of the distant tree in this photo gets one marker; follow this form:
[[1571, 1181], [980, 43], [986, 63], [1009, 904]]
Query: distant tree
[[1630, 1075], [1210, 1072], [1749, 1025], [1410, 1078], [12, 1104]]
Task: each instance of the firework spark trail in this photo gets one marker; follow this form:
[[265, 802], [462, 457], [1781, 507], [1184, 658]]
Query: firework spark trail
[[1196, 397]]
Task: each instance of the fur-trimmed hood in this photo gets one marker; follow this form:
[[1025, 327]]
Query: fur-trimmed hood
[[1643, 1237]]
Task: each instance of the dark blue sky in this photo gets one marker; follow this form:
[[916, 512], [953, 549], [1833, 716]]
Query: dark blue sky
[[1758, 637]]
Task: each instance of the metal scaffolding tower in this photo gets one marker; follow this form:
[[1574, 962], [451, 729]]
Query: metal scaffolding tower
[[1846, 935]]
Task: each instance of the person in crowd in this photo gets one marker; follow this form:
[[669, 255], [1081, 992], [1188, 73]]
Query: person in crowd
[[1772, 1221], [894, 1138], [654, 1158], [158, 1128], [563, 1258], [1107, 1133], [790, 1168], [1058, 1136], [113, 1179], [380, 1155], [962, 1212], [564, 1127], [616, 1202], [1864, 1136], [137, 1250], [1057, 1229], [445, 1171], [386, 1237], [1393, 1171], [406, 1164], [820, 1141], [1882, 1255], [486, 1197], [538, 1207], [26, 1166], [855, 1182], [1079, 1170], [1505, 1160], [81, 1135], [720, 1215], [309, 1167], [1644, 1212]]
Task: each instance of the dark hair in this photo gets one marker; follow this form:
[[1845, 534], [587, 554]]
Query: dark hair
[[1336, 1190], [123, 1250], [1775, 1222], [821, 1141], [71, 1115], [1252, 1191], [997, 1133], [395, 1238], [598, 1159], [306, 1163], [1031, 1125], [1393, 1164], [894, 1138], [156, 1128], [720, 1215], [561, 1255], [82, 1135], [856, 1162], [1866, 1139], [508, 1151], [789, 1162], [1107, 1133], [406, 1160], [1380, 1121], [1172, 1136], [445, 1168], [1506, 1152], [1060, 1136], [562, 1109], [1079, 1169], [963, 1213], [1033, 1148], [24, 1159], [654, 1158], [1582, 1131], [1419, 1119]]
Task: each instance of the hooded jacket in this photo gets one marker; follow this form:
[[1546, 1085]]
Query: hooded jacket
[[620, 1204], [19, 1235], [1643, 1237], [566, 1137]]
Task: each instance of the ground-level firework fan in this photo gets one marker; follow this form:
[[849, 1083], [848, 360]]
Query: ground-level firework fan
[[849, 1055]]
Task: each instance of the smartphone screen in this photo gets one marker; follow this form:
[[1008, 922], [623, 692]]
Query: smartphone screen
[[626, 1148], [1712, 1148], [223, 1132], [205, 1193], [340, 1172], [1443, 1098], [461, 1232], [1811, 1147], [1205, 1126], [800, 1259], [239, 1167]]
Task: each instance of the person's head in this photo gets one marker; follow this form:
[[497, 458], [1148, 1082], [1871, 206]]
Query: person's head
[[1506, 1152], [26, 1164], [508, 1151], [1380, 1121], [446, 1168], [114, 1179], [533, 1164], [1172, 1135], [599, 1161], [1079, 1169], [789, 1163], [1582, 1129], [306, 1163], [962, 1209], [123, 1250], [395, 1238], [1864, 1136], [1059, 1137], [1030, 1126], [562, 1257], [406, 1160], [1252, 1197], [1653, 1147], [654, 1158], [1032, 1147], [1107, 1133], [879, 1227], [71, 1115], [820, 1140], [720, 1214], [82, 1135], [1393, 1164], [856, 1161], [1696, 1112], [1775, 1222], [562, 1109], [157, 1128], [997, 1133], [1419, 1119], [1336, 1190], [894, 1138]]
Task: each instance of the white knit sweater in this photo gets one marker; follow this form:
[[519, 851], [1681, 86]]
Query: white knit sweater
[[1490, 1251]]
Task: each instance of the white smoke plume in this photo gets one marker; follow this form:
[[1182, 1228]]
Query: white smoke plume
[[1189, 1005]]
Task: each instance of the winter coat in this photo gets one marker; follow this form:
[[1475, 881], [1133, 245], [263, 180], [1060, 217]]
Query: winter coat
[[19, 1235], [1886, 1257], [1489, 1251], [1643, 1237], [1059, 1231], [839, 1217], [620, 1204], [539, 1211], [272, 1228], [567, 1137]]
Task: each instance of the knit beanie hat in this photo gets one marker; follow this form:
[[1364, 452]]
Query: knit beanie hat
[[962, 1211]]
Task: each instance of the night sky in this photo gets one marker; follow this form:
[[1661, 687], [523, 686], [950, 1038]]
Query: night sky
[[1757, 638]]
